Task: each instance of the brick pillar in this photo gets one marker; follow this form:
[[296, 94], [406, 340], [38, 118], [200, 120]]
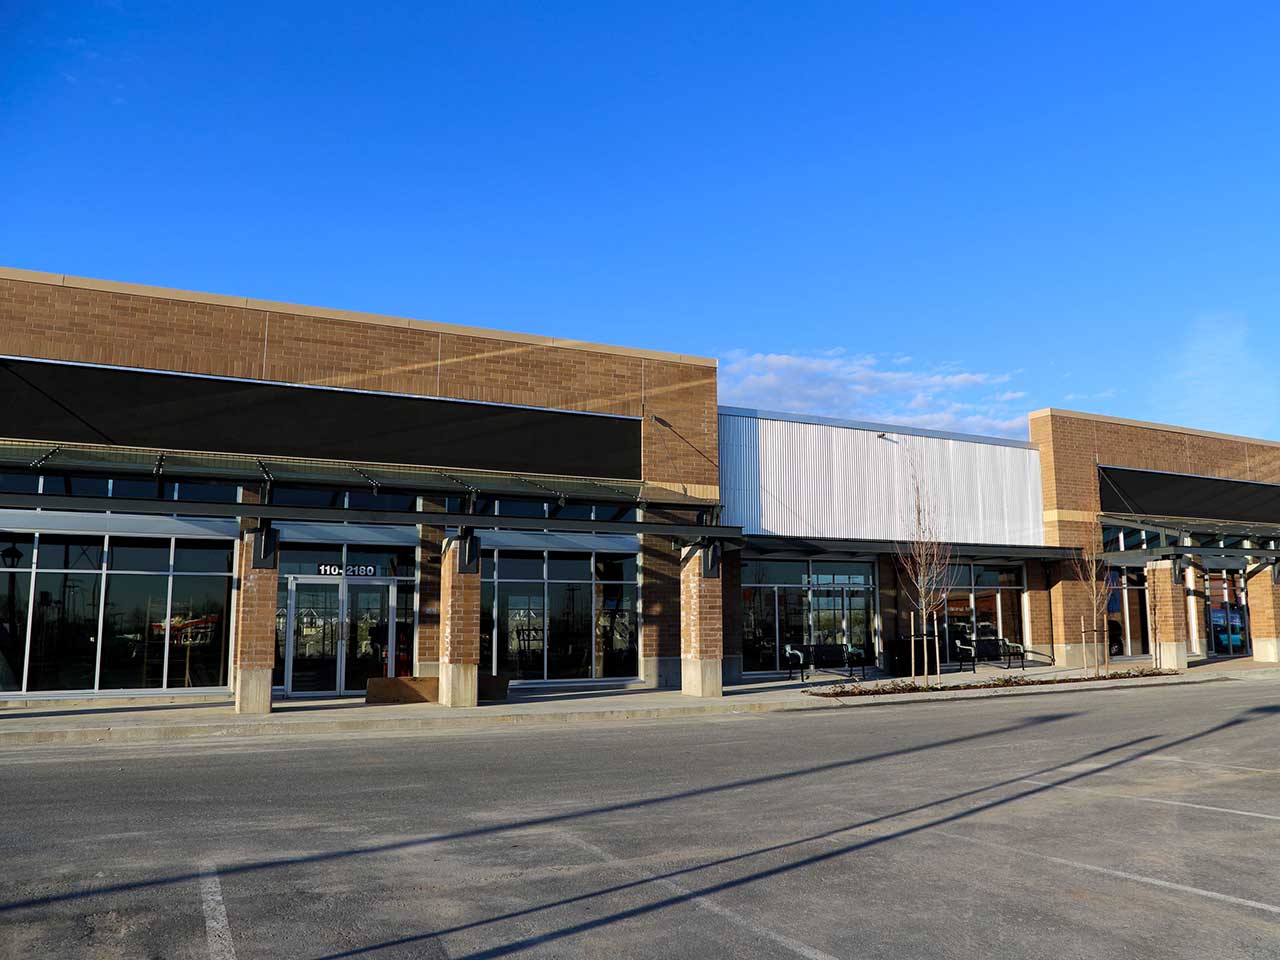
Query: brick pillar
[[427, 646], [1167, 614], [459, 631], [255, 619], [1070, 601], [731, 603], [1039, 625], [659, 612], [701, 628], [1264, 614]]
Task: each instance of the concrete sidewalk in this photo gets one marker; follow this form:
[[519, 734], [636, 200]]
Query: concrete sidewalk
[[81, 723]]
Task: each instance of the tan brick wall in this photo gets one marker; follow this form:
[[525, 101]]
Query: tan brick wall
[[430, 540], [459, 611], [701, 611], [223, 336], [1264, 606], [659, 597], [1166, 604]]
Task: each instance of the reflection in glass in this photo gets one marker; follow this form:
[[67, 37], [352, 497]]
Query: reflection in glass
[[615, 566], [486, 628], [149, 555], [70, 553], [569, 633], [315, 638], [958, 626], [386, 561], [520, 565], [282, 632], [759, 629], [404, 630], [368, 633], [520, 630], [617, 639], [15, 589], [793, 617], [199, 627], [828, 628], [858, 620], [202, 556], [64, 631], [133, 632], [298, 559]]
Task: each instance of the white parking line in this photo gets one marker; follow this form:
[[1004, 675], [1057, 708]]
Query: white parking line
[[1159, 800], [795, 946], [1118, 874], [216, 929]]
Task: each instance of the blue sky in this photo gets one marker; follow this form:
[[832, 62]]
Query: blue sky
[[944, 214]]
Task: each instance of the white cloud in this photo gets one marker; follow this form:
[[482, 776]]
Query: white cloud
[[839, 384]]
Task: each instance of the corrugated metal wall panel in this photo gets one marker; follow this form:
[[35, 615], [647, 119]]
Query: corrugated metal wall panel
[[786, 478]]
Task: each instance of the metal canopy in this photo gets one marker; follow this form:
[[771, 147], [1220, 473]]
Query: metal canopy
[[820, 547], [187, 508], [1183, 526], [236, 468]]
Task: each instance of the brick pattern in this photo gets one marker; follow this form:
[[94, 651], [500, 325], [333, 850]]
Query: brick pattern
[[430, 543], [659, 597], [1166, 604], [255, 608], [677, 399], [459, 611], [701, 613], [1039, 625], [1264, 606]]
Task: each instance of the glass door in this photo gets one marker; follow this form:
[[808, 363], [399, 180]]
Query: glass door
[[315, 618], [828, 628], [368, 638], [1226, 615]]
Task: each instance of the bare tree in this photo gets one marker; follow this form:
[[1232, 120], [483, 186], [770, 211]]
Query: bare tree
[[925, 558], [1090, 568]]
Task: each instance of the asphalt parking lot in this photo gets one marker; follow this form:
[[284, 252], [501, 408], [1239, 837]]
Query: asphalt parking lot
[[1127, 823]]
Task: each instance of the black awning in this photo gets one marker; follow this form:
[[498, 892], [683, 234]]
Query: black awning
[[82, 404], [822, 548], [248, 469], [1184, 499]]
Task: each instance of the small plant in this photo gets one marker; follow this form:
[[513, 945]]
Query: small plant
[[855, 689]]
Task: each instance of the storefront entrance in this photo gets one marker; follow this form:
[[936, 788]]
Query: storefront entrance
[[342, 632], [1226, 614]]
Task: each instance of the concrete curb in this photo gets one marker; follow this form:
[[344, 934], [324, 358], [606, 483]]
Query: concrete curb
[[399, 724]]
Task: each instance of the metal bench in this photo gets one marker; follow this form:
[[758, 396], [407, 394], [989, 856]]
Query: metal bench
[[795, 660], [1005, 648]]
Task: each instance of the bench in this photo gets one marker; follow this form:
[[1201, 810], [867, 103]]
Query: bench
[[802, 656], [1004, 648]]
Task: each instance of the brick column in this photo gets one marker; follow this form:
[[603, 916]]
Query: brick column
[[255, 620], [427, 646], [1070, 601], [1264, 614], [659, 612], [1039, 625], [1167, 614], [701, 628], [459, 631], [731, 603]]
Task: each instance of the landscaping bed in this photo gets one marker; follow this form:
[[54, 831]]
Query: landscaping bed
[[855, 689]]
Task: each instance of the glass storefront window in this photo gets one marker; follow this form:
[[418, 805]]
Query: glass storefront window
[[793, 617], [64, 631], [197, 491], [617, 636], [569, 631], [486, 626], [15, 592], [290, 496], [521, 508], [73, 485], [70, 553], [774, 572], [282, 632], [133, 627], [306, 560], [839, 573], [521, 630], [13, 481], [386, 561], [17, 551], [991, 576], [381, 500], [615, 566], [199, 632], [151, 556], [568, 566], [142, 488], [759, 629], [520, 565], [203, 556]]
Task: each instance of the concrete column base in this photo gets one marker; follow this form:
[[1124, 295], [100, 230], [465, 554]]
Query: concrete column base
[[660, 671], [427, 668], [459, 684], [253, 690], [1072, 654], [701, 678], [732, 670], [1169, 655], [1266, 651]]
